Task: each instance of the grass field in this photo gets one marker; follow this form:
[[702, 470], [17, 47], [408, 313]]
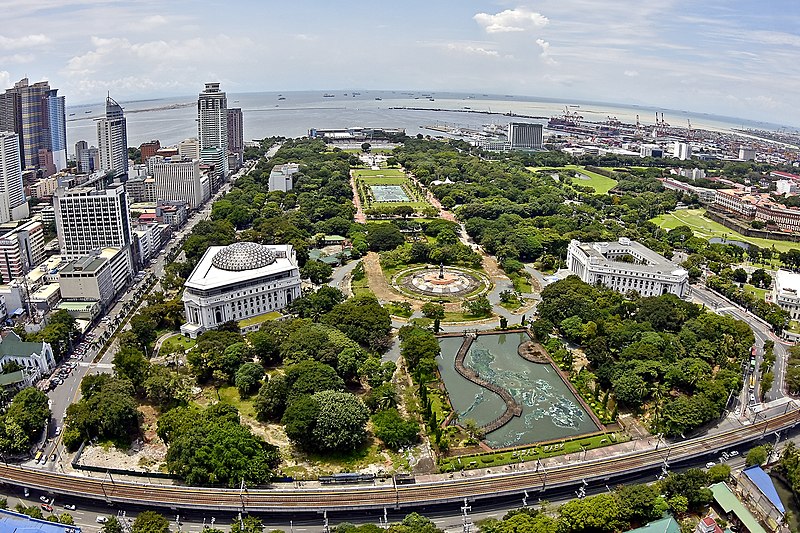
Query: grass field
[[760, 293], [707, 229], [384, 172], [601, 184], [377, 180]]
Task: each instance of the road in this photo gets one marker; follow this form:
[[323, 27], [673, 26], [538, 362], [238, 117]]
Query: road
[[762, 334], [531, 476], [69, 391]]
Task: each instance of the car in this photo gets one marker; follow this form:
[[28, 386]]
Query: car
[[26, 492], [733, 453], [47, 507], [101, 519], [710, 464], [52, 457], [69, 507], [58, 431], [44, 499]]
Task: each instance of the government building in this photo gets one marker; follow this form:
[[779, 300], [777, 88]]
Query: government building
[[238, 282], [627, 265]]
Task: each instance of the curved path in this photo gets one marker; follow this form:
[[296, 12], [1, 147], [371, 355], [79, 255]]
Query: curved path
[[394, 496], [512, 407]]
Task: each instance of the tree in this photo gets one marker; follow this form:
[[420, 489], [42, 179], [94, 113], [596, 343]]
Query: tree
[[639, 503], [164, 387], [363, 319], [740, 275], [249, 524], [112, 526], [270, 402], [760, 278], [756, 456], [341, 422], [248, 378], [67, 519], [719, 472], [144, 328], [150, 522], [595, 513], [24, 420], [212, 447], [394, 430], [416, 345], [383, 237], [478, 307], [433, 311], [107, 410], [131, 364], [316, 271], [365, 147], [310, 377], [299, 420]]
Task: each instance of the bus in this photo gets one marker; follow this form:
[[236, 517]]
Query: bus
[[752, 382]]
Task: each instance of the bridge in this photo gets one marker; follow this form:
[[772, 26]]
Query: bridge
[[274, 499]]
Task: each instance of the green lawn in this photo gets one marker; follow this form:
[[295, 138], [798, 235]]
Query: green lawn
[[178, 342], [252, 321], [388, 180], [230, 395], [707, 229], [384, 172], [760, 293], [529, 454], [601, 184]]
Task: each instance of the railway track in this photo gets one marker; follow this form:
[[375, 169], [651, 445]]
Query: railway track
[[275, 499]]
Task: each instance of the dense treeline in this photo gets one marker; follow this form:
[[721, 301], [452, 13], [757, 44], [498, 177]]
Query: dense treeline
[[659, 352], [23, 422]]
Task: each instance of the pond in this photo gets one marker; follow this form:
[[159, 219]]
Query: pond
[[550, 410], [740, 244]]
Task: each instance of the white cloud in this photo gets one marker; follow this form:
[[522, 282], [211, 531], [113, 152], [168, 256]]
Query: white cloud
[[15, 43], [545, 55], [511, 20], [471, 49]]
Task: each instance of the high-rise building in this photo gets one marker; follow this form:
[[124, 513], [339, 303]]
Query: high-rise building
[[525, 136], [57, 127], [178, 180], [112, 139], [13, 204], [21, 249], [189, 149], [149, 149], [36, 113], [236, 133], [88, 219], [214, 159], [682, 151], [212, 123]]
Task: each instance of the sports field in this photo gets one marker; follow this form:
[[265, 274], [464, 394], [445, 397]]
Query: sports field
[[387, 187], [706, 228], [601, 184]]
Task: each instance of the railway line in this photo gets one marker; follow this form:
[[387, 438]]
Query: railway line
[[390, 495]]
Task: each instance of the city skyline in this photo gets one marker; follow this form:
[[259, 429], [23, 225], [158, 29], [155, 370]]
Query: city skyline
[[714, 57]]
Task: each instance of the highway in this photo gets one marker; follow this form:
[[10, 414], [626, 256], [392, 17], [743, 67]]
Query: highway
[[387, 494]]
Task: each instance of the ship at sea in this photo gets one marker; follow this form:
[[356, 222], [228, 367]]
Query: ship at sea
[[328, 95]]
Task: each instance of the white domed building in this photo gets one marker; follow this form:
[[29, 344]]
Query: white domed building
[[238, 282]]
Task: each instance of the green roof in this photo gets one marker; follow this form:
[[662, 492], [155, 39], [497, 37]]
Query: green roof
[[77, 305], [11, 378], [335, 238], [12, 345], [730, 503], [665, 525]]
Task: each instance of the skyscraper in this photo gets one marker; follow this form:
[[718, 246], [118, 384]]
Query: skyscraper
[[13, 204], [525, 136], [112, 139], [36, 113], [236, 133], [57, 127], [212, 123]]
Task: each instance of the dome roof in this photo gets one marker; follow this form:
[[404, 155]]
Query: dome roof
[[243, 256]]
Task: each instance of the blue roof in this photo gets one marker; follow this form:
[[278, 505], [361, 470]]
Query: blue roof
[[11, 522], [764, 483]]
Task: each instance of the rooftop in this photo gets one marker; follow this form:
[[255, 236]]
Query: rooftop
[[12, 345], [665, 525], [764, 483], [11, 522], [607, 254], [729, 503], [208, 274]]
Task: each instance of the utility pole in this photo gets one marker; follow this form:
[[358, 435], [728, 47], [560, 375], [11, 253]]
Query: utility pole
[[325, 527], [467, 523]]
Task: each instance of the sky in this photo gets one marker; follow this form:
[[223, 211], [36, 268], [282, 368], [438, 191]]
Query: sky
[[736, 58]]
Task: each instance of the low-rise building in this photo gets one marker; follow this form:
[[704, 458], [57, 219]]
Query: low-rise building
[[280, 178], [98, 276], [238, 282], [786, 292], [759, 493], [627, 265], [35, 358]]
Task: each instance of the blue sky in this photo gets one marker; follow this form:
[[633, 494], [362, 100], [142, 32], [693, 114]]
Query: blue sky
[[731, 57]]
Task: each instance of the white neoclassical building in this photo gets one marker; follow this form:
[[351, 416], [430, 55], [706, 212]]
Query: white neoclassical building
[[238, 282], [627, 265], [786, 292]]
